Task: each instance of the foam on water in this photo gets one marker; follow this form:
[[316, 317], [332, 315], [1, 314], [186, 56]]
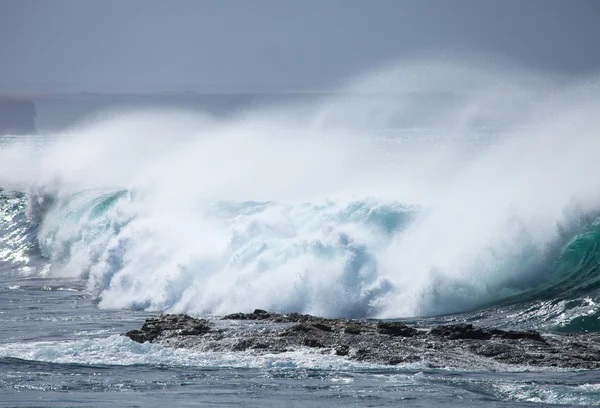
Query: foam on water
[[522, 387], [118, 350]]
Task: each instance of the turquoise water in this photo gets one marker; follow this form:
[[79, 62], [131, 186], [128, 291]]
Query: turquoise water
[[57, 349]]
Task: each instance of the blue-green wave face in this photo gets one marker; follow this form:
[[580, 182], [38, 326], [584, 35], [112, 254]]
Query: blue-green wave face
[[574, 282], [309, 250], [402, 201], [329, 256], [79, 225], [577, 270]]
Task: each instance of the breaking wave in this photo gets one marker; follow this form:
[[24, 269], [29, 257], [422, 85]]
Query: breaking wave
[[428, 188]]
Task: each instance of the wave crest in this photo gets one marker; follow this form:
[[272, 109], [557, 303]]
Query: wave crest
[[471, 169]]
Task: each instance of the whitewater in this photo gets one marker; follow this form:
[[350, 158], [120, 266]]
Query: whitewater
[[434, 190]]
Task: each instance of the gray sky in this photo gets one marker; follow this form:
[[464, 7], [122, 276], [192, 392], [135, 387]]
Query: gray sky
[[273, 45]]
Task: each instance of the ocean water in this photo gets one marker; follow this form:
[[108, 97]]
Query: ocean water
[[429, 192]]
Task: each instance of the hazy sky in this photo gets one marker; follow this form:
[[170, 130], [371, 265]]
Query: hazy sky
[[273, 45]]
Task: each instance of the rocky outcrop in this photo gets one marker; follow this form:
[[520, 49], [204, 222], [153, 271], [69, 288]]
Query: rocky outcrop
[[17, 117], [382, 342], [169, 326]]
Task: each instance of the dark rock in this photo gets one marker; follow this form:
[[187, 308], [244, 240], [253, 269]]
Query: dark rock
[[139, 336], [321, 326], [396, 329], [299, 328], [242, 345], [461, 331], [312, 342], [291, 318], [455, 345], [404, 359], [258, 314], [363, 354], [492, 350], [169, 325], [260, 346], [238, 316], [352, 329], [467, 331], [512, 334], [342, 350]]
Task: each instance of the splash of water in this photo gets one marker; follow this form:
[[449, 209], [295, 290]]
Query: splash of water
[[429, 187]]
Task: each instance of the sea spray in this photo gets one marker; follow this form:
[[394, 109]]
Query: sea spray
[[424, 188]]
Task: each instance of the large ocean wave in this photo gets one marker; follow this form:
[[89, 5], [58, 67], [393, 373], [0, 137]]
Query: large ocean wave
[[390, 199]]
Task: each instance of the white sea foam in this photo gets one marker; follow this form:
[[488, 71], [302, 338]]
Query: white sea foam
[[353, 212], [121, 351]]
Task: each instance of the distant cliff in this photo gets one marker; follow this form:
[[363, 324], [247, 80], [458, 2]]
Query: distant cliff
[[17, 117]]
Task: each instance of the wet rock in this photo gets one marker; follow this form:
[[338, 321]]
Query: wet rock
[[342, 350], [312, 342], [515, 335], [461, 331], [396, 329], [321, 326], [242, 345], [299, 328], [352, 329], [363, 354], [492, 350], [140, 336], [258, 314], [411, 358], [457, 345], [260, 346], [468, 331], [169, 326]]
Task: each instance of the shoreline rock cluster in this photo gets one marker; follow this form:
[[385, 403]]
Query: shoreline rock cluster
[[460, 345]]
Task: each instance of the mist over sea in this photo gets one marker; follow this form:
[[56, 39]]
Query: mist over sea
[[432, 191]]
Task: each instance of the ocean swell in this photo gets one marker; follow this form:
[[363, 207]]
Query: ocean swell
[[325, 259]]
